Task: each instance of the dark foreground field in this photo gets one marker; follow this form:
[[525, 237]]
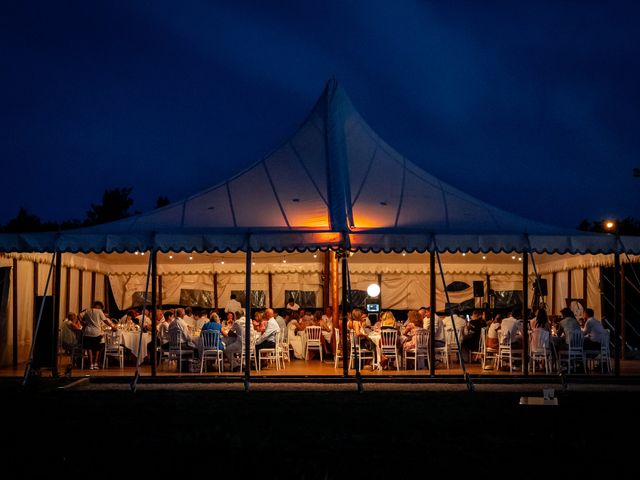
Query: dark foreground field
[[315, 434]]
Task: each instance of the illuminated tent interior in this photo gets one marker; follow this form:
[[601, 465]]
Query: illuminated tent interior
[[353, 193]]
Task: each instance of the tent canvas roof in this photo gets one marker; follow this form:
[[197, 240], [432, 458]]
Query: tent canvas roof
[[352, 189]]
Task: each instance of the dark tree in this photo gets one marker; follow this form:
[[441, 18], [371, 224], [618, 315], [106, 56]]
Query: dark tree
[[26, 222], [115, 205], [162, 201]]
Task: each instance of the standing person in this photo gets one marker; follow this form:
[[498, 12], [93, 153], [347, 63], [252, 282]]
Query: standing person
[[233, 305], [93, 319]]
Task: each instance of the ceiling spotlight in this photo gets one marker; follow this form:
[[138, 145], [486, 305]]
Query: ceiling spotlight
[[190, 257], [513, 257], [142, 253], [136, 253], [464, 254], [519, 259], [170, 257], [404, 254], [315, 255], [484, 257]]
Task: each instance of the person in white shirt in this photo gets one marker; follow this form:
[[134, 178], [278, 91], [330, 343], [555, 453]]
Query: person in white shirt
[[232, 305], [144, 321], [292, 305], [201, 320], [268, 338], [189, 320], [326, 323], [513, 325], [439, 338], [93, 319], [593, 330]]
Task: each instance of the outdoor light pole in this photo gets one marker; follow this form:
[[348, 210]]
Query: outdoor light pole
[[612, 226]]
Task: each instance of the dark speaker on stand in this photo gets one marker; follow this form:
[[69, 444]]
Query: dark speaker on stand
[[478, 289], [540, 287]]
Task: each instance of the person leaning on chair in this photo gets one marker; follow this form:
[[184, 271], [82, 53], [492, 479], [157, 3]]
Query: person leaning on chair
[[92, 319]]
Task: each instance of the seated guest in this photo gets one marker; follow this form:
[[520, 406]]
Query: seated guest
[[214, 325], [513, 326], [493, 340], [565, 327], [295, 334], [412, 327], [259, 322], [471, 340], [593, 330], [201, 319], [185, 339], [163, 332], [268, 337], [71, 332]]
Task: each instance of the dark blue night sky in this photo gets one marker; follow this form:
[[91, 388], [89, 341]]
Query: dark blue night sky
[[531, 106]]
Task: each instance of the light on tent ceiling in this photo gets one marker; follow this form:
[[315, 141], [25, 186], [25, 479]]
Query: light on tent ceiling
[[315, 255], [142, 253], [519, 259], [404, 254], [373, 290], [136, 252], [484, 257], [464, 254], [253, 263], [284, 260], [222, 262], [513, 257], [190, 257], [170, 257]]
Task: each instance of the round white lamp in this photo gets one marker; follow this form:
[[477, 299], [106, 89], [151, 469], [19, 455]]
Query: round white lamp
[[373, 290]]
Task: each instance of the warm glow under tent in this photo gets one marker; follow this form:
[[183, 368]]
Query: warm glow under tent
[[352, 190]]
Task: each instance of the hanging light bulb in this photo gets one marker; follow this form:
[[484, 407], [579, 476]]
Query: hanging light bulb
[[190, 257], [170, 257]]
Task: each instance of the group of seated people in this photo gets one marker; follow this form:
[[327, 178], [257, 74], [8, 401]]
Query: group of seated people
[[291, 323]]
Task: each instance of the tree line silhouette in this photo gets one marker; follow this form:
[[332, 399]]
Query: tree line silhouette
[[117, 202], [115, 205]]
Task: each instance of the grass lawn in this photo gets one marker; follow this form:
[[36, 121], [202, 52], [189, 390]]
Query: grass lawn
[[316, 434]]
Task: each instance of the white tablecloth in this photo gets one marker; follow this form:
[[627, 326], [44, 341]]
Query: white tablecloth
[[130, 340]]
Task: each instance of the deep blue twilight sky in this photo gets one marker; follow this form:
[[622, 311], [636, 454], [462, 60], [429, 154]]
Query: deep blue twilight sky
[[531, 106]]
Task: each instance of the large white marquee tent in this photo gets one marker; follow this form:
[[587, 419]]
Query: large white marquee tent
[[353, 192]]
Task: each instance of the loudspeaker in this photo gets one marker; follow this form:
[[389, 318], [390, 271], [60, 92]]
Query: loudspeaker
[[478, 288], [43, 348], [540, 287]]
